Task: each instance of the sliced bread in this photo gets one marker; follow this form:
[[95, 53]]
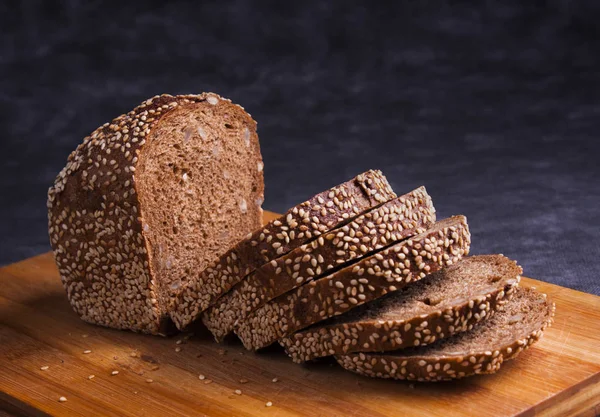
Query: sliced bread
[[134, 213], [298, 225], [389, 270], [482, 350], [448, 301], [375, 229]]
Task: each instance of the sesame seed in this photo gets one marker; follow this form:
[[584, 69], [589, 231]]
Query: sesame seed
[[62, 399], [44, 368], [269, 404], [85, 352], [275, 380], [201, 377], [113, 373], [237, 392], [149, 380]]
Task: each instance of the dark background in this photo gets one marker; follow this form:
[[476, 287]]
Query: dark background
[[494, 106]]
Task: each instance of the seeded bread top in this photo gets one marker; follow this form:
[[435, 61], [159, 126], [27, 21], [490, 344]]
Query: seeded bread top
[[473, 275], [439, 305], [526, 312], [376, 228], [406, 216], [298, 225], [359, 283], [483, 349]]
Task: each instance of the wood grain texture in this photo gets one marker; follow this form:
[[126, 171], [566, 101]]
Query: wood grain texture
[[560, 376]]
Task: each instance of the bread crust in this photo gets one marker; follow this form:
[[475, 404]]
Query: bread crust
[[95, 221], [396, 219], [376, 335], [444, 367], [298, 225], [370, 278]]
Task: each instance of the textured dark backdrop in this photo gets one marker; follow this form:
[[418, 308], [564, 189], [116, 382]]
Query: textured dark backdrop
[[495, 107]]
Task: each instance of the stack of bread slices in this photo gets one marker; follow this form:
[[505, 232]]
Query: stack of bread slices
[[156, 220]]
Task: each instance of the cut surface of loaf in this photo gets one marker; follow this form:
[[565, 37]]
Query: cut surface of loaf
[[444, 303], [516, 326], [395, 220], [300, 224], [148, 200], [387, 271]]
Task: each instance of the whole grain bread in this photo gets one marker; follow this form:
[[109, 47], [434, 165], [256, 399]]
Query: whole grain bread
[[482, 350], [444, 303], [300, 224], [133, 215], [387, 271], [375, 229]]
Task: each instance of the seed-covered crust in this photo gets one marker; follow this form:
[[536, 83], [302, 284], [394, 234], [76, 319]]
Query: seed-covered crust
[[94, 222], [395, 220], [379, 333], [373, 277], [298, 225], [431, 367]]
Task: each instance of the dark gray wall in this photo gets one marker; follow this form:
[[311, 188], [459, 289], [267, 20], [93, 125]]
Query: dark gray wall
[[495, 107]]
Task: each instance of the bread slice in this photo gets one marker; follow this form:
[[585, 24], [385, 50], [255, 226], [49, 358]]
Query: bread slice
[[482, 350], [446, 302], [389, 270], [298, 225], [392, 221], [133, 215]]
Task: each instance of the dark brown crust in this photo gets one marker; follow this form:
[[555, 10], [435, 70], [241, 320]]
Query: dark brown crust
[[298, 225], [94, 222], [440, 368], [358, 284], [395, 220], [375, 335]]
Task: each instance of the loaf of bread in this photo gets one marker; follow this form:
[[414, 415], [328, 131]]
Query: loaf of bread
[[302, 223], [157, 219], [444, 303], [148, 200], [482, 350], [386, 271], [392, 221]]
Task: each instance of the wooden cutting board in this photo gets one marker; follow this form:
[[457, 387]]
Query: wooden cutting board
[[560, 376]]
